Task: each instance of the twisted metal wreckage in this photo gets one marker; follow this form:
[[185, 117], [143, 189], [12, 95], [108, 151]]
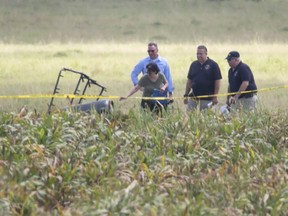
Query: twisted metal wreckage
[[100, 106]]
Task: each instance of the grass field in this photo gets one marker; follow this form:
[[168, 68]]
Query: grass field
[[130, 162], [172, 21], [105, 39], [33, 69]]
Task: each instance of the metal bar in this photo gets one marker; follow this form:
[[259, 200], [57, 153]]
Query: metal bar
[[85, 76], [55, 90], [84, 90], [76, 91]]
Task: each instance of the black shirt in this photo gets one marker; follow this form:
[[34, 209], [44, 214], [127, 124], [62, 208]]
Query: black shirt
[[203, 77], [241, 73]]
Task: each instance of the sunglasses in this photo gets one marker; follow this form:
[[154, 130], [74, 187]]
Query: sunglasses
[[152, 51]]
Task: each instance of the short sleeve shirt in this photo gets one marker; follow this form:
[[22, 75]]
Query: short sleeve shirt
[[203, 77], [149, 85], [241, 73]]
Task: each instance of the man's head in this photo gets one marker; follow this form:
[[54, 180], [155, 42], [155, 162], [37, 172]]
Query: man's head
[[152, 50], [152, 70], [232, 54], [152, 67], [233, 58], [202, 53]]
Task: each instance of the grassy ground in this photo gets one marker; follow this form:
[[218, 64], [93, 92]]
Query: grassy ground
[[33, 69], [105, 39], [128, 162], [176, 21]]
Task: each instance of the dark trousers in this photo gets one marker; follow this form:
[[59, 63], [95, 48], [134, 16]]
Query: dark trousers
[[153, 106]]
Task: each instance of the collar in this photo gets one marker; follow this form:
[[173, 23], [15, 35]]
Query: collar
[[234, 69], [154, 59], [204, 61]]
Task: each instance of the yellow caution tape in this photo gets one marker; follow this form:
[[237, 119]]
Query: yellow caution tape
[[70, 96], [56, 96]]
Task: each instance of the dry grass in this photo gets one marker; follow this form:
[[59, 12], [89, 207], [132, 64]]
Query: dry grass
[[39, 21], [33, 69]]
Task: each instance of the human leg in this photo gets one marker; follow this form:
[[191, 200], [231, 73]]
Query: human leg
[[192, 104], [248, 104], [146, 105], [204, 104], [245, 104]]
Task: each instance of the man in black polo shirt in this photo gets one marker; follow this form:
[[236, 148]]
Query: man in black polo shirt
[[240, 79], [204, 80]]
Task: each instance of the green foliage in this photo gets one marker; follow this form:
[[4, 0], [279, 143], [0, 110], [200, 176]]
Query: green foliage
[[73, 163], [135, 163]]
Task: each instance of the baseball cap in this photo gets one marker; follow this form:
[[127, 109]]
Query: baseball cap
[[232, 54]]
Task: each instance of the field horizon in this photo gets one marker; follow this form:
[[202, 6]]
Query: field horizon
[[170, 21]]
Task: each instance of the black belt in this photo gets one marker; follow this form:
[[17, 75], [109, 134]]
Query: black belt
[[249, 95]]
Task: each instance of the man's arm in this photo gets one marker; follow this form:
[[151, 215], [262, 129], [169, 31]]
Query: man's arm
[[187, 90], [168, 76], [228, 96], [132, 91], [243, 87], [135, 72], [216, 91], [163, 88], [188, 87]]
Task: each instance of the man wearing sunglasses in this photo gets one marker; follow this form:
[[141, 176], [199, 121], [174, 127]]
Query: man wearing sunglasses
[[153, 57]]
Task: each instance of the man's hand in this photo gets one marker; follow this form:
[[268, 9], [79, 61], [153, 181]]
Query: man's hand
[[185, 98], [233, 99], [162, 90], [171, 97], [215, 100]]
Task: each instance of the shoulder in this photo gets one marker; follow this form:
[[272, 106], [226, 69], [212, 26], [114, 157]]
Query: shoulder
[[160, 74], [243, 66], [195, 63], [211, 61], [144, 61], [144, 77], [163, 60]]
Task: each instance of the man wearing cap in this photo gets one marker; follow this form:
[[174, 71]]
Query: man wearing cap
[[241, 79], [203, 79]]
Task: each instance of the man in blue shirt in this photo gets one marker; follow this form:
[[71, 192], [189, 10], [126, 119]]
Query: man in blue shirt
[[240, 79], [203, 79], [161, 63]]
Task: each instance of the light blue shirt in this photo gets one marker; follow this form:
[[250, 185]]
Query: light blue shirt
[[162, 65]]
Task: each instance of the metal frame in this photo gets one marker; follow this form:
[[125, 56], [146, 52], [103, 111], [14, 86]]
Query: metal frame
[[83, 78]]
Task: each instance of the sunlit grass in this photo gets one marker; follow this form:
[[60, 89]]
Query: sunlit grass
[[33, 69]]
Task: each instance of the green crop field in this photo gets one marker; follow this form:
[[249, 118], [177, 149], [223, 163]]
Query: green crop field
[[129, 162]]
